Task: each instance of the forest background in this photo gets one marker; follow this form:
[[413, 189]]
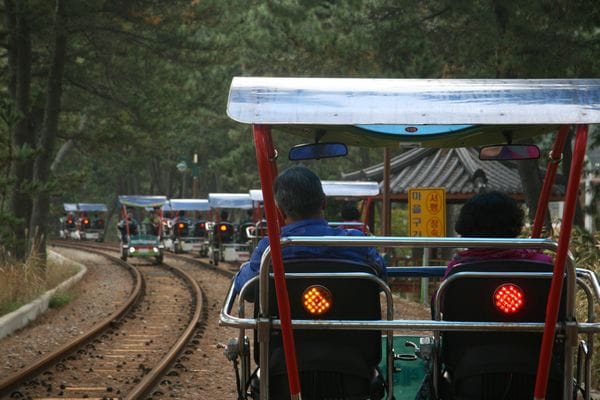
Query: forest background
[[107, 97]]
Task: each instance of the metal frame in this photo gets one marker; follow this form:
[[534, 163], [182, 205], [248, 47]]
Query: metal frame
[[142, 201], [194, 205], [438, 112], [570, 327]]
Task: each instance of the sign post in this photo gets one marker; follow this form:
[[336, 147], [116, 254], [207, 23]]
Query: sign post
[[426, 217]]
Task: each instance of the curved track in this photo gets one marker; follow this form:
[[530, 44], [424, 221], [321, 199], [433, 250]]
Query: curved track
[[125, 355]]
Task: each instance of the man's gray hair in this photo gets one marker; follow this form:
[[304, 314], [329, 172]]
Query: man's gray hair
[[299, 193]]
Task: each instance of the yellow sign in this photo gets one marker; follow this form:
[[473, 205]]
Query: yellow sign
[[427, 212]]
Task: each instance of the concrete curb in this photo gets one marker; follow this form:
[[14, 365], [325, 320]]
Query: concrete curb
[[29, 312]]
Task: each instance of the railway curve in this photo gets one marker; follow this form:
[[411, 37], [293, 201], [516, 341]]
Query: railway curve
[[120, 356]]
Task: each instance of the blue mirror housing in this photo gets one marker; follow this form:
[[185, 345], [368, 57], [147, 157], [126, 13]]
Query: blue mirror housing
[[315, 151]]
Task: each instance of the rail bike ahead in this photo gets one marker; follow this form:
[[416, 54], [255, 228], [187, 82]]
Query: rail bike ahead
[[83, 221], [356, 190], [185, 231], [92, 217], [224, 242], [68, 222], [499, 330], [141, 239], [256, 230]]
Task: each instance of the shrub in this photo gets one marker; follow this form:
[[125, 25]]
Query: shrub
[[21, 283], [586, 250], [60, 299]]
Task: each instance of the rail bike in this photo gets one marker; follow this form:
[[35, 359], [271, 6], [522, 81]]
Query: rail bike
[[92, 221], [68, 222], [141, 239], [83, 221], [345, 190], [224, 242], [357, 190], [501, 329], [186, 230], [256, 230]]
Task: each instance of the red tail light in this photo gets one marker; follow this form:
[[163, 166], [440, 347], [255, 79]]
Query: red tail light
[[69, 221], [201, 226], [509, 298]]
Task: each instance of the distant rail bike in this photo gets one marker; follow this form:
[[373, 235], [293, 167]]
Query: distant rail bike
[[501, 330], [141, 239], [83, 221], [224, 241], [185, 230]]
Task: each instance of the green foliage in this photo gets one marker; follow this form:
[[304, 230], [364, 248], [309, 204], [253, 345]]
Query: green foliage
[[475, 38], [586, 250], [60, 299], [8, 307], [146, 82]]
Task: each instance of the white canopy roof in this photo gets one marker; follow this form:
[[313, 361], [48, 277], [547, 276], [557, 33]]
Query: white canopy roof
[[230, 200], [350, 188], [351, 101], [70, 207], [142, 200], [186, 205], [100, 207], [337, 189], [256, 194]]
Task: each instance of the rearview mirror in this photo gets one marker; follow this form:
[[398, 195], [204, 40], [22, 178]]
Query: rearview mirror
[[312, 151], [509, 152]]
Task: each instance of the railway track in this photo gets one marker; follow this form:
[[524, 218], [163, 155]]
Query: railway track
[[125, 355], [225, 269]]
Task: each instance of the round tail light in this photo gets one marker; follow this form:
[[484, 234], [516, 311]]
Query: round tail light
[[317, 300], [509, 298]]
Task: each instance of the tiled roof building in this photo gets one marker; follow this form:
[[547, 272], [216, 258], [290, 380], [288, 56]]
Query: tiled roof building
[[458, 170]]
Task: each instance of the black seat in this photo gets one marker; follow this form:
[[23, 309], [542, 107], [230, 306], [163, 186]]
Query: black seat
[[242, 235], [496, 365], [333, 364], [199, 229], [181, 228]]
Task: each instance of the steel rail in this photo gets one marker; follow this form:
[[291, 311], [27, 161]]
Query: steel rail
[[20, 376], [150, 380]]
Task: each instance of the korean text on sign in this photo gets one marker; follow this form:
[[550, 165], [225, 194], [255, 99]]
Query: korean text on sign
[[427, 211]]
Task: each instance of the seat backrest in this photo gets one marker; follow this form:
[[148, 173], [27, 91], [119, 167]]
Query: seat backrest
[[337, 351], [181, 227], [199, 229], [242, 235], [492, 357]]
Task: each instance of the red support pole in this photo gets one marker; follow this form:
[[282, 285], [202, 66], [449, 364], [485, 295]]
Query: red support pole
[[554, 295], [265, 157], [365, 209], [555, 158]]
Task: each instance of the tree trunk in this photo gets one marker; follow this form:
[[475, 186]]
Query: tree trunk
[[22, 134], [41, 173]]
